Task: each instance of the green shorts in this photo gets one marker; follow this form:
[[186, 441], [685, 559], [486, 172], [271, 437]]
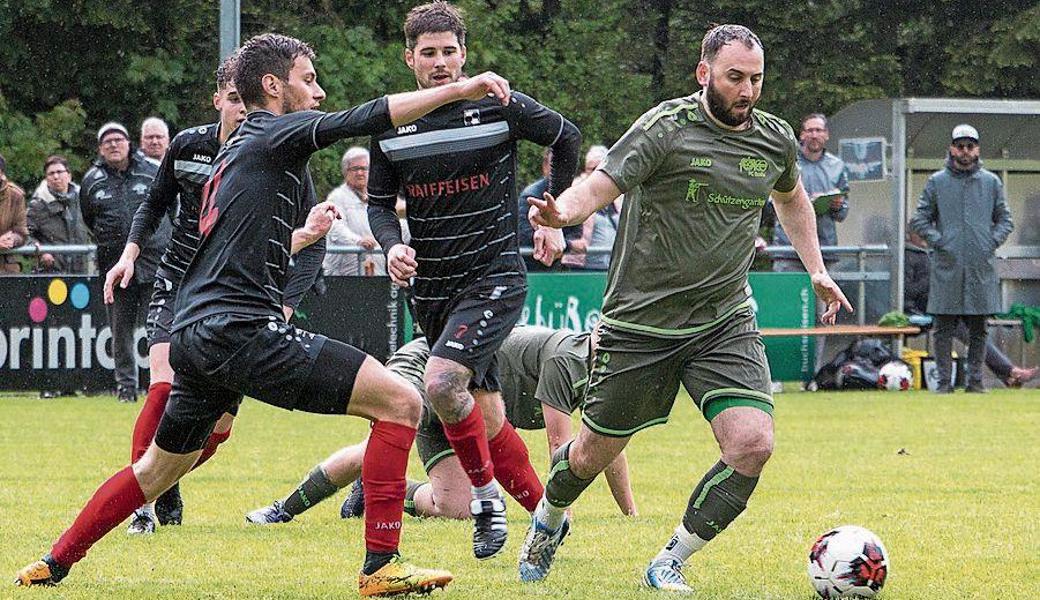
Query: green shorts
[[635, 376], [430, 440]]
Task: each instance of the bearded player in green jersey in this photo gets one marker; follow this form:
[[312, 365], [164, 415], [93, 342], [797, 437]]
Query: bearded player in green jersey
[[695, 172]]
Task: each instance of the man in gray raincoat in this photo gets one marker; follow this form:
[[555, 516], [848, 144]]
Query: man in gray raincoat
[[964, 216]]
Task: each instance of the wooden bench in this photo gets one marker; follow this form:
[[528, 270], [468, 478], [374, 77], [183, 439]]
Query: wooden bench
[[867, 330]]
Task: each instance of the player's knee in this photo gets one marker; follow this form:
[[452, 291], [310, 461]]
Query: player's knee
[[404, 407], [447, 393], [156, 473], [750, 450]]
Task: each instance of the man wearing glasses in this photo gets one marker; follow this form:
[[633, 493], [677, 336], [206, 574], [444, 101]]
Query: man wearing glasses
[[826, 180], [55, 217], [963, 215], [353, 229], [112, 189]]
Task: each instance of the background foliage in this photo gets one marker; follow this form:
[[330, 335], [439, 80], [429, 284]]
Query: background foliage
[[69, 65]]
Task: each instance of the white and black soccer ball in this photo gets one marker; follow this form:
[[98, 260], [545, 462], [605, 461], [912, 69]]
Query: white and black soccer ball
[[895, 376], [848, 562]]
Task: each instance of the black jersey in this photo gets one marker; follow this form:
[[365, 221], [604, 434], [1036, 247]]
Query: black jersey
[[456, 168], [256, 196], [178, 189]]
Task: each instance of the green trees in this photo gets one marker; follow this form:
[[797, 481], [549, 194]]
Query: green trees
[[67, 67]]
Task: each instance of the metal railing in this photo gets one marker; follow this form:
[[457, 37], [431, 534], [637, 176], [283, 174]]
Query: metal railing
[[861, 275]]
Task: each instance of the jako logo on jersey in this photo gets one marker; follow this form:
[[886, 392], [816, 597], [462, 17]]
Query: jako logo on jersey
[[461, 331], [471, 116], [700, 161], [202, 158], [61, 346], [753, 167], [448, 187], [403, 129], [454, 344]]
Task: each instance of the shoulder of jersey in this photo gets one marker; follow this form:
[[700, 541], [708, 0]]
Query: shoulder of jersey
[[673, 114], [197, 143], [94, 172], [774, 123], [198, 133]]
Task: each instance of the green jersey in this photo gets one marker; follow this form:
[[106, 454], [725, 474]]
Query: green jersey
[[540, 366], [694, 193], [536, 365]]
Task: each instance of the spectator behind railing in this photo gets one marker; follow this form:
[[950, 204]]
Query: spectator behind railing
[[351, 198], [55, 218], [112, 190], [826, 180], [525, 234], [604, 230], [576, 255], [155, 140], [13, 230]]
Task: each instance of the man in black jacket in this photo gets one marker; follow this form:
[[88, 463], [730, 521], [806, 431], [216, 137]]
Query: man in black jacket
[[112, 189]]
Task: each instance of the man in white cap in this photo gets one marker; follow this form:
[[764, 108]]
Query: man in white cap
[[112, 189], [963, 214]]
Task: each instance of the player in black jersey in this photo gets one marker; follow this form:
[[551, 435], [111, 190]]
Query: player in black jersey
[[456, 168], [230, 337], [177, 190]]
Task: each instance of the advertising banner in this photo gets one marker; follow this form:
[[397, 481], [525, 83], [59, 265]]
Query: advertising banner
[[54, 333], [573, 301]]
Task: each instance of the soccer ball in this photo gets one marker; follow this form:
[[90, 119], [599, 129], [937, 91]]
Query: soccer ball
[[848, 562], [895, 376]]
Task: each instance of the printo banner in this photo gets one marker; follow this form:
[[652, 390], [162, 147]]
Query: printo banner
[[54, 332]]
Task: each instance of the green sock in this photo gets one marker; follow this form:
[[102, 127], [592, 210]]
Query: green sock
[[409, 496], [312, 490], [720, 496], [563, 486]]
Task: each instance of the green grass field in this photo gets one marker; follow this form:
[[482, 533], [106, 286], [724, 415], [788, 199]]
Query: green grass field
[[958, 510]]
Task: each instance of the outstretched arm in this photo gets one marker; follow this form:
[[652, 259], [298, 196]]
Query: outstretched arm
[[409, 106], [798, 219], [576, 203], [620, 487]]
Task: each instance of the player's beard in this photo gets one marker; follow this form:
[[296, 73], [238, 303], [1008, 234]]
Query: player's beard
[[725, 114]]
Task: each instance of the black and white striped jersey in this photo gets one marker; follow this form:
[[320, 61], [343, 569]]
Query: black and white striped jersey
[[258, 193], [456, 168], [177, 189]]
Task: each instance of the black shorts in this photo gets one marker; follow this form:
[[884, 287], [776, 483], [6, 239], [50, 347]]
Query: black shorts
[[470, 327], [159, 323], [220, 358]]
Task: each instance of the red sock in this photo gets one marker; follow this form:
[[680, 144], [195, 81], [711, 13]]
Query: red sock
[[382, 474], [215, 439], [468, 438], [111, 503], [513, 467], [148, 419]]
